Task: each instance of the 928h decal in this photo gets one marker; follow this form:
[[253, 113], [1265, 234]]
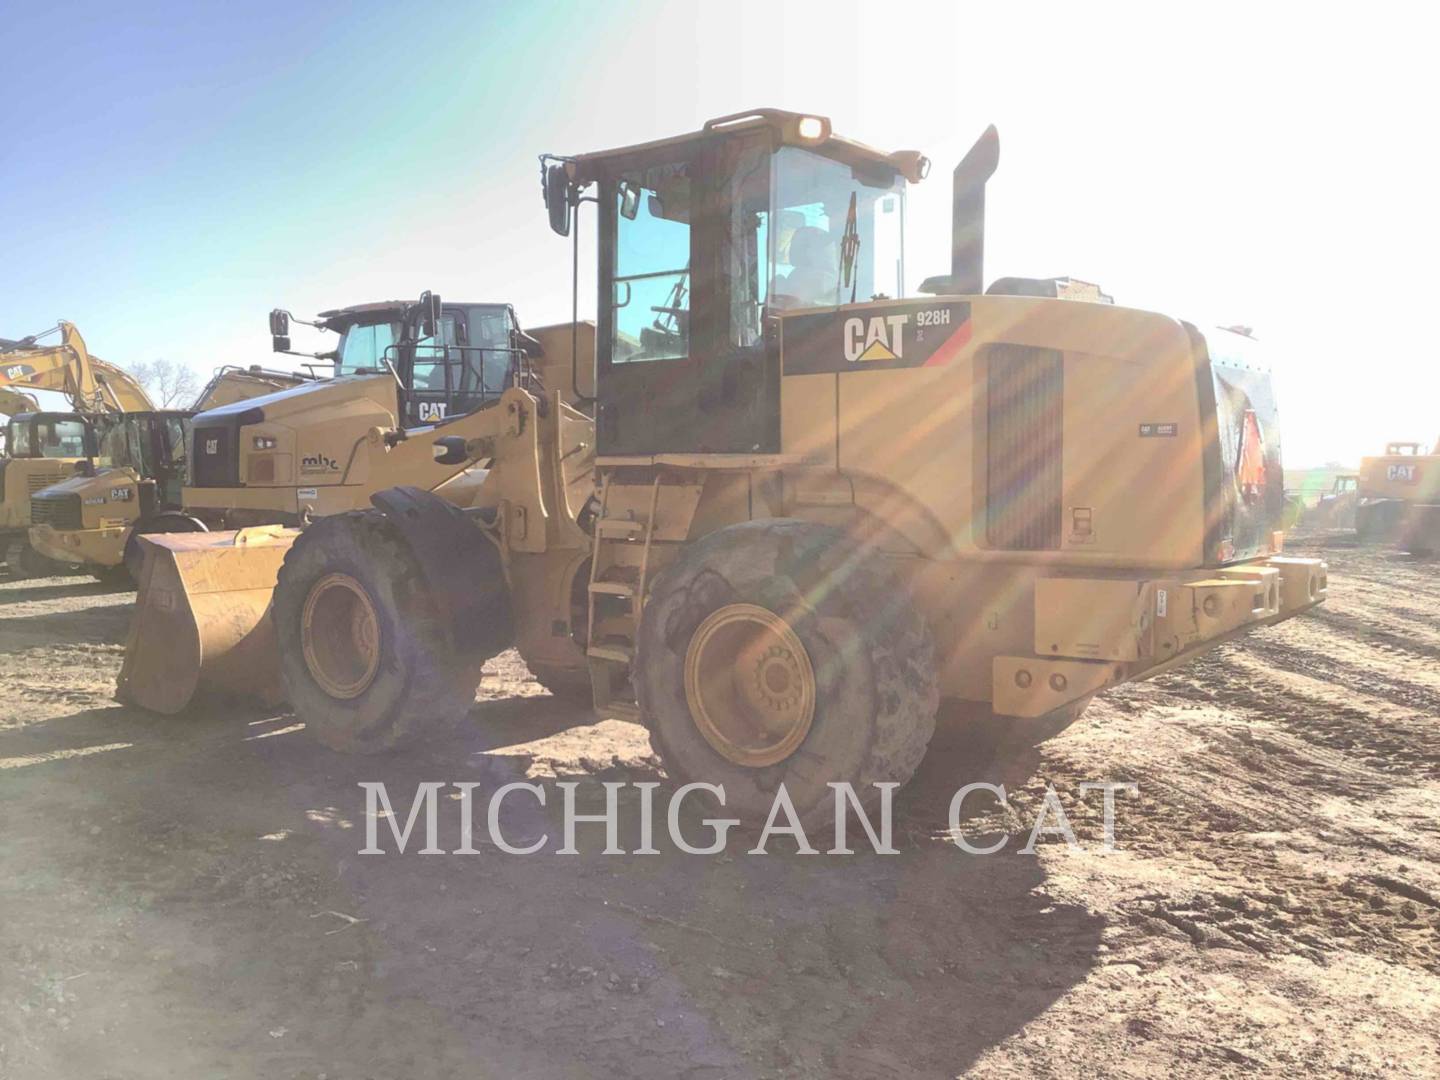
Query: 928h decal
[[879, 338]]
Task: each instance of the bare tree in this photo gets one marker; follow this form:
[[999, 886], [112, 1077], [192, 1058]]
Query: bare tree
[[170, 385]]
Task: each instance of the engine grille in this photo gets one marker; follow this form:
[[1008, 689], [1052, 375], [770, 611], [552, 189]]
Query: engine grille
[[58, 511], [1024, 409], [40, 481]]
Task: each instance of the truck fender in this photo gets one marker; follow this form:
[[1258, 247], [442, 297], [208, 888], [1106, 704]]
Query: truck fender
[[459, 563]]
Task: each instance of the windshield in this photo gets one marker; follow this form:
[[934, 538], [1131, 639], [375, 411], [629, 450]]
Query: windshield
[[122, 443], [362, 348], [836, 235], [51, 438]]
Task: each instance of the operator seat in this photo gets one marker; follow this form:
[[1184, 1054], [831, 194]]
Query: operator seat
[[812, 280]]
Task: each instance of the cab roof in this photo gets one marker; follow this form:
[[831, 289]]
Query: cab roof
[[339, 318], [807, 130]]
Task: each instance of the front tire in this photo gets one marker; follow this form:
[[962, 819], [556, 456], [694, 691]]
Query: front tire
[[780, 652], [365, 652]]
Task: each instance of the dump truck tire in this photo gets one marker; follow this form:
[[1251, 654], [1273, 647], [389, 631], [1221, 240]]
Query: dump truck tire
[[365, 653], [25, 562], [790, 624]]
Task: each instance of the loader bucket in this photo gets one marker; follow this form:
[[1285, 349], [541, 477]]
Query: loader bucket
[[202, 619]]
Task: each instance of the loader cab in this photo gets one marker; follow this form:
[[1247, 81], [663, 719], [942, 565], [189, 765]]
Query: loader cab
[[152, 444], [702, 240], [466, 358], [49, 435]]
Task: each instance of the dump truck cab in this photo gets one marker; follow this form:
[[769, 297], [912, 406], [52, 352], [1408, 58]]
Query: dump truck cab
[[323, 447], [135, 474], [41, 448], [446, 359]]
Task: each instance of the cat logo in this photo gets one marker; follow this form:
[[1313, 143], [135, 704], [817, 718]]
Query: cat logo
[[432, 411], [1405, 474], [17, 371], [212, 446], [879, 338]]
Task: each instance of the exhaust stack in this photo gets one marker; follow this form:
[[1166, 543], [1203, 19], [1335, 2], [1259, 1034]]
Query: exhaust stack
[[967, 220]]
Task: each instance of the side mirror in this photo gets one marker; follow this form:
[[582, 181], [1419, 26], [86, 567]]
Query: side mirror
[[557, 198], [430, 309], [629, 200], [280, 330]]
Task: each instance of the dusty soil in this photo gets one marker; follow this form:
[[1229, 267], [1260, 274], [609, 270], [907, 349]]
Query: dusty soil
[[184, 897]]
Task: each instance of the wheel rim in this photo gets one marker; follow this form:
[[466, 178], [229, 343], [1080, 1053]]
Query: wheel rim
[[750, 685], [340, 636]]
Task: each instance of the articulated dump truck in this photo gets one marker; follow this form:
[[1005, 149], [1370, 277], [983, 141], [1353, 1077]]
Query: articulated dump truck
[[794, 509]]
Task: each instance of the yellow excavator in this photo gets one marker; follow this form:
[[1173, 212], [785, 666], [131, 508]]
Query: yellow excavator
[[1399, 498], [797, 510]]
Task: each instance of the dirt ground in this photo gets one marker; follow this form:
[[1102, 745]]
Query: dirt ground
[[185, 897]]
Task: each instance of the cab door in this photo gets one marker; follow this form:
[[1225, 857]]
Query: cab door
[[681, 364], [433, 369]]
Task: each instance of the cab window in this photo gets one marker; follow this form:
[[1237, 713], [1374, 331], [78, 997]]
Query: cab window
[[363, 348], [432, 355], [61, 438], [651, 305], [17, 438], [487, 353]]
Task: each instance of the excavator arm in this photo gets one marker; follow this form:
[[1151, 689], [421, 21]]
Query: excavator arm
[[89, 383]]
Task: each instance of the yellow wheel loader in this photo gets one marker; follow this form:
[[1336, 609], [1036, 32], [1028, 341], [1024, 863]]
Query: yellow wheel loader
[[1399, 494], [807, 509]]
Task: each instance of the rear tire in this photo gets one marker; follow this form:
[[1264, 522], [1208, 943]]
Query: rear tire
[[780, 631], [365, 652]]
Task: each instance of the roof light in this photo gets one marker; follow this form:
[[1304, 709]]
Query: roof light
[[810, 128]]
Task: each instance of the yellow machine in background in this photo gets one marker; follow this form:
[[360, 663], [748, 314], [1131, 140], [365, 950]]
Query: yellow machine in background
[[1400, 498], [806, 509], [129, 483], [41, 448], [326, 447], [52, 444]]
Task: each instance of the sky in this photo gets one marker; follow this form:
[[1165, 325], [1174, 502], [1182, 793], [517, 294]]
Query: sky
[[171, 171]]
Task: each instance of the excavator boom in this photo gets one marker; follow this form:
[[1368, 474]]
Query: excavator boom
[[90, 384]]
